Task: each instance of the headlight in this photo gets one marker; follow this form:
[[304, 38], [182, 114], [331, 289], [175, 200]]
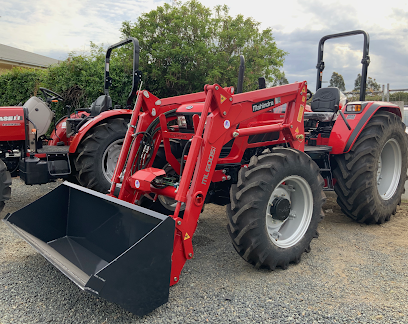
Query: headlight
[[353, 108], [181, 121]]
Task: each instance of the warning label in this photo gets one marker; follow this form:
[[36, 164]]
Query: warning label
[[223, 99], [300, 114], [263, 105]]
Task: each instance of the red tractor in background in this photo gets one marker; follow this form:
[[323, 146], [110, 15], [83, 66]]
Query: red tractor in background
[[88, 137], [268, 165]]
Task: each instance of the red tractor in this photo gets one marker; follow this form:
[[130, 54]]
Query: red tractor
[[268, 165], [88, 137]]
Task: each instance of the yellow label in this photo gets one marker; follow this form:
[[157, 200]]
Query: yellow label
[[297, 130], [300, 114], [300, 137], [303, 90], [303, 99], [186, 237], [223, 98]]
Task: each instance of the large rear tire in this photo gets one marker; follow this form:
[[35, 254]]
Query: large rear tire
[[5, 183], [98, 153], [275, 208], [370, 178]]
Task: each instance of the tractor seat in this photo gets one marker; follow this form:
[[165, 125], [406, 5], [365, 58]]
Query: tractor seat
[[321, 116], [326, 100], [103, 103]]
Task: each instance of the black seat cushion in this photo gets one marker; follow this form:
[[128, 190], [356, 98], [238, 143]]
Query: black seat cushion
[[101, 104], [326, 100]]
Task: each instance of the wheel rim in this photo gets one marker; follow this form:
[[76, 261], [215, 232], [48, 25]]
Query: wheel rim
[[389, 169], [110, 158], [289, 232]]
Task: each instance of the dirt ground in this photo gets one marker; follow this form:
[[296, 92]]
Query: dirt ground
[[354, 273]]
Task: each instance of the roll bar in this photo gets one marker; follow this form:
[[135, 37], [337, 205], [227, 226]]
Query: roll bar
[[365, 60], [136, 76]]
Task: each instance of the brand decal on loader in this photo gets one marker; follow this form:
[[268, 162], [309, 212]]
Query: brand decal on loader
[[11, 118], [10, 124], [263, 105], [208, 166]]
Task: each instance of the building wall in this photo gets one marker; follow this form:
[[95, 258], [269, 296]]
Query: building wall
[[7, 66]]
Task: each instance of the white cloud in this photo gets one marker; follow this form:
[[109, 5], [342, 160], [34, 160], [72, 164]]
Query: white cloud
[[299, 25], [56, 28], [45, 27]]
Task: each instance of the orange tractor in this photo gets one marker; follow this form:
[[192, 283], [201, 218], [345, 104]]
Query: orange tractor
[[257, 152]]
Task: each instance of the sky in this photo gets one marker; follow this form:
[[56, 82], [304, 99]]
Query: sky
[[55, 28]]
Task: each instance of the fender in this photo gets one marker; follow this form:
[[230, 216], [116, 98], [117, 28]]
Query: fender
[[342, 139], [59, 134], [93, 122]]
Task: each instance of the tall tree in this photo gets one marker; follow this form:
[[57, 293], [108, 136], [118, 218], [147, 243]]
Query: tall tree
[[372, 84], [337, 81], [280, 81], [186, 45]]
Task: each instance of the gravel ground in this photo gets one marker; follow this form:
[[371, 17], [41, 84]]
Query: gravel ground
[[354, 274]]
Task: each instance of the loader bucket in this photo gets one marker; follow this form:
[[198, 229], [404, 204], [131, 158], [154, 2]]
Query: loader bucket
[[108, 247]]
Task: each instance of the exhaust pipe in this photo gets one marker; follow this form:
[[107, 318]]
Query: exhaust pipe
[[108, 247]]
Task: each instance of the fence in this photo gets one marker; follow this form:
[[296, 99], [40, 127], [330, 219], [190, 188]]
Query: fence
[[386, 94]]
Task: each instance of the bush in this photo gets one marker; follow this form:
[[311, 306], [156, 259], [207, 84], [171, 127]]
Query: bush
[[19, 85], [79, 79]]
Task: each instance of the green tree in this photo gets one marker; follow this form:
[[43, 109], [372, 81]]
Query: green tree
[[372, 84], [337, 81], [280, 81], [186, 45]]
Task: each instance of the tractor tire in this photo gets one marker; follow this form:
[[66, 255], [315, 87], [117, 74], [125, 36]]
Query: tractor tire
[[370, 178], [5, 182], [275, 208], [98, 153]]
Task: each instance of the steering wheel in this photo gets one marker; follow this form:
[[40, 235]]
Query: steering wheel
[[51, 95], [309, 94]]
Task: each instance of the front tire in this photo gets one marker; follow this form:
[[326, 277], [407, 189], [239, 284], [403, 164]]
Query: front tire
[[370, 179], [5, 182], [275, 208], [98, 153]]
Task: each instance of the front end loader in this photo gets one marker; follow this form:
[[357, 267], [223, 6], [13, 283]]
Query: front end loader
[[259, 153], [89, 237]]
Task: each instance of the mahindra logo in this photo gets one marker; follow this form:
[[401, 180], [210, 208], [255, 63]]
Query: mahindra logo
[[11, 118], [208, 166]]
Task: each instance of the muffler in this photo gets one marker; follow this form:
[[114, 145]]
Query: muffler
[[108, 247]]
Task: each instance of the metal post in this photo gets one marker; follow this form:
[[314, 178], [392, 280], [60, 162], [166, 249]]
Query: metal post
[[383, 93], [388, 92]]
